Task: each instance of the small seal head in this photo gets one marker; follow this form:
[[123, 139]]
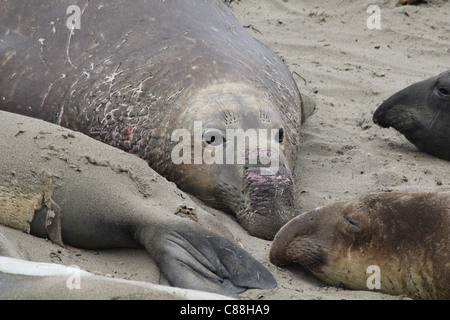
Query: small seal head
[[421, 112], [405, 236]]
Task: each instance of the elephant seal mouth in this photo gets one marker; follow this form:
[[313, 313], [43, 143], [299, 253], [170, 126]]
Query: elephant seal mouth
[[269, 202], [295, 243], [301, 250]]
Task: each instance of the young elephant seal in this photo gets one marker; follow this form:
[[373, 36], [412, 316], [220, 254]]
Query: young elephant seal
[[403, 237], [421, 112]]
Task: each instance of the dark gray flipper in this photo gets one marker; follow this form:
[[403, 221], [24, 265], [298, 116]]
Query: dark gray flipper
[[201, 260]]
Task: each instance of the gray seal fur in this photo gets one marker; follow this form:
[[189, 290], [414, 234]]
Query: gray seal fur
[[137, 71]]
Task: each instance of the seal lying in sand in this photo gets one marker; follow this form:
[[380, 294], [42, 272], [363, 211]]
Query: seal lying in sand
[[63, 185], [138, 72], [421, 112], [403, 236]]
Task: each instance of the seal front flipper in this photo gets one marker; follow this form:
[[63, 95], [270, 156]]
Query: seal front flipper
[[192, 257]]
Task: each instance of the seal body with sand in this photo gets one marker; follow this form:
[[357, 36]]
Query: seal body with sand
[[65, 186], [135, 72], [421, 112], [405, 235]]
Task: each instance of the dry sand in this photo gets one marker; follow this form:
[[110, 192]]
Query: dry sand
[[348, 69]]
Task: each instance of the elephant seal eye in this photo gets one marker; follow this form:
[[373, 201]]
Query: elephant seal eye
[[443, 92], [280, 135], [351, 222], [213, 137]]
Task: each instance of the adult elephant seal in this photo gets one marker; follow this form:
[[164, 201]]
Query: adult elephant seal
[[421, 112], [402, 239], [63, 185], [139, 75]]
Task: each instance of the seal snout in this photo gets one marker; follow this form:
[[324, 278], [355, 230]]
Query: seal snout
[[270, 201], [379, 117], [295, 243], [386, 114]]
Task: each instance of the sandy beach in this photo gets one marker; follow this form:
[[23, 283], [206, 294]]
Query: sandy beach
[[348, 69]]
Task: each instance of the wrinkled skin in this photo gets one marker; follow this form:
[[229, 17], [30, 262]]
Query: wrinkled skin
[[137, 71], [421, 112], [405, 235]]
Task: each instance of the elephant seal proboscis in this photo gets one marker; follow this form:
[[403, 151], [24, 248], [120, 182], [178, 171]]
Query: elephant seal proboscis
[[421, 112], [59, 184], [135, 72], [400, 240]]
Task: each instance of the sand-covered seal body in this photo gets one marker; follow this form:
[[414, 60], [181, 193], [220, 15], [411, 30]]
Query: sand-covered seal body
[[67, 187], [421, 112], [403, 236], [136, 72]]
